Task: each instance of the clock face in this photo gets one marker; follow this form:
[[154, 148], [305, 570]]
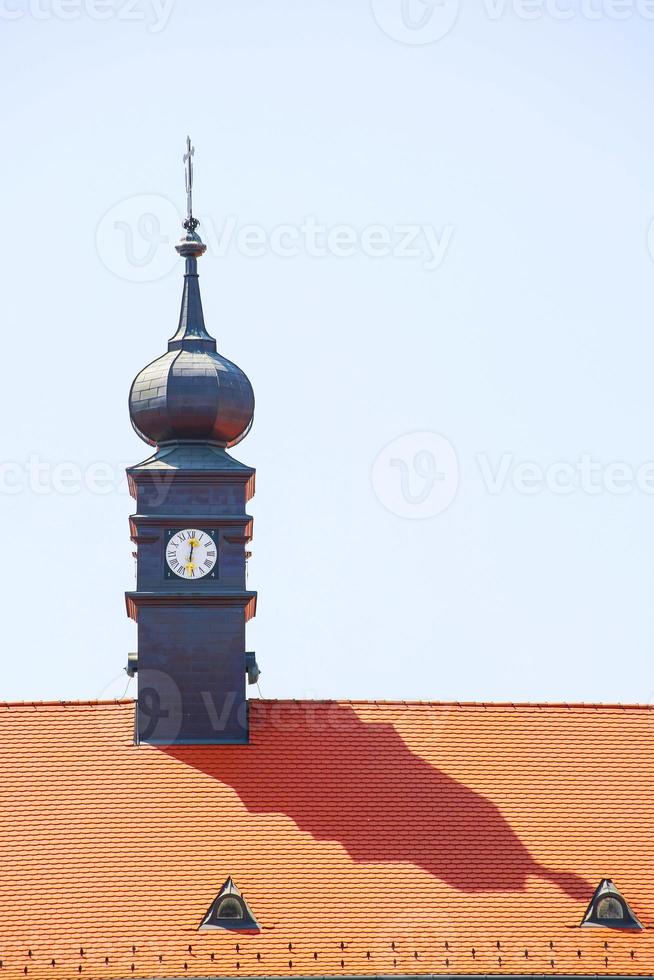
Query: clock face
[[191, 553]]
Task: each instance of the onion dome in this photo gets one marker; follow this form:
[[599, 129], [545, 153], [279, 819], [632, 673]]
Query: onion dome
[[191, 392]]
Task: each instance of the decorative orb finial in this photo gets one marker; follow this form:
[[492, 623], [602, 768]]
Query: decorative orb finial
[[191, 393]]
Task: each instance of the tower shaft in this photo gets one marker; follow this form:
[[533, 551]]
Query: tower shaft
[[191, 634]]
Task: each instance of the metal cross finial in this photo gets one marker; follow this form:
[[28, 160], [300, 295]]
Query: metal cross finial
[[191, 245], [188, 177]]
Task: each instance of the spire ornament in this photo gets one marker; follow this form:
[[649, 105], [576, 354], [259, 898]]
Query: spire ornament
[[192, 392], [191, 245], [191, 223]]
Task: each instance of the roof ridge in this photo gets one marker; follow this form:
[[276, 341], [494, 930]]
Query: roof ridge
[[594, 705], [371, 702], [66, 703]]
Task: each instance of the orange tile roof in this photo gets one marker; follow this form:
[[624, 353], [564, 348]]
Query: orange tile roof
[[367, 838]]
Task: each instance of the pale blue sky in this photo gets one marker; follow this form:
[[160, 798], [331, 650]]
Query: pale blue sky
[[524, 148]]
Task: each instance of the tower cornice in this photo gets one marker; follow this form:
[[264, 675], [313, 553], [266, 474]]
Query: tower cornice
[[236, 599], [161, 479], [137, 522]]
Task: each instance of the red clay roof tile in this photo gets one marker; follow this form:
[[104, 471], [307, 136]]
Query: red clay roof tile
[[367, 837]]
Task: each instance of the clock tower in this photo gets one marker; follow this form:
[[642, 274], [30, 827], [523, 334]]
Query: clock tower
[[191, 530]]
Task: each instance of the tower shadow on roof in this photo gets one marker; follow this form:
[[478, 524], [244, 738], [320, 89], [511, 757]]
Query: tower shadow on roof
[[342, 779]]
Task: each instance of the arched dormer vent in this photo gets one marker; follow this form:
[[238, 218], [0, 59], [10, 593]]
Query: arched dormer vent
[[229, 910], [608, 908]]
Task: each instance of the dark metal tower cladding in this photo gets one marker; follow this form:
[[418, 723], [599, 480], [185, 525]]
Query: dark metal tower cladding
[[191, 530]]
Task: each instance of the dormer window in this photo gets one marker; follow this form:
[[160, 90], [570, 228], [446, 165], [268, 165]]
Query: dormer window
[[608, 908], [229, 910]]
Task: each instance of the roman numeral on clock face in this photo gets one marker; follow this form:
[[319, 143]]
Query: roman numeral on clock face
[[191, 553]]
